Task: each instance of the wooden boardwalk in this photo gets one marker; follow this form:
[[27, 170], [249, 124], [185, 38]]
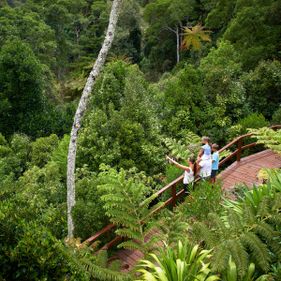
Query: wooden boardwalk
[[246, 170], [243, 172]]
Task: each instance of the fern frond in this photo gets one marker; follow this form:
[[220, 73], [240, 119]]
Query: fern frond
[[234, 221], [221, 256], [172, 227], [182, 150], [249, 216], [129, 233], [259, 251], [239, 255], [131, 245], [222, 229], [200, 231], [103, 274], [268, 137], [275, 220]]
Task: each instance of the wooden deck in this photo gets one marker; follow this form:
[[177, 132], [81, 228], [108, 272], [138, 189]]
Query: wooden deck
[[243, 172], [246, 170]]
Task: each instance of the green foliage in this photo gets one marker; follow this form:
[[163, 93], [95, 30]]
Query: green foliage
[[263, 87], [269, 138], [14, 156], [184, 263], [172, 226], [39, 255], [128, 38], [204, 199], [180, 102], [21, 88], [89, 215], [252, 121], [94, 266], [126, 203], [59, 154], [276, 117], [163, 17], [248, 231], [184, 151], [222, 88], [254, 44], [122, 129], [41, 150], [232, 273], [26, 25]]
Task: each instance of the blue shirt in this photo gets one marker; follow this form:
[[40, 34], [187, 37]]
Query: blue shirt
[[207, 149], [215, 161]]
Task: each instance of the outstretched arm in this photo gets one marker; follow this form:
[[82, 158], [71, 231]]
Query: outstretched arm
[[177, 164]]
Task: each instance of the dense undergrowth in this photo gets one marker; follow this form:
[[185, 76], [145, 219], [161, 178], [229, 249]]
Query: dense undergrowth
[[144, 106]]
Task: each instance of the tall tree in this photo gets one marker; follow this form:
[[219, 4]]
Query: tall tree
[[114, 14]]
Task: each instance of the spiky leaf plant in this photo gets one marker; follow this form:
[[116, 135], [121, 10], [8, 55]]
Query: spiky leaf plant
[[127, 204], [185, 263], [231, 273]]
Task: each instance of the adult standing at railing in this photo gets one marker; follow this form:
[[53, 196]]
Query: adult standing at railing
[[205, 150]]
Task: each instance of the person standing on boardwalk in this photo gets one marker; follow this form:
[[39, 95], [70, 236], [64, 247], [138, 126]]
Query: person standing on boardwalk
[[189, 172], [215, 162], [205, 150]]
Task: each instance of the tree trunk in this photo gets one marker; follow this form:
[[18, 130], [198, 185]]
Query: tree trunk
[[114, 14], [178, 43]]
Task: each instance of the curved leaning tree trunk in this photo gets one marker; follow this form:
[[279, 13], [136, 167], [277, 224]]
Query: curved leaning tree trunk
[[114, 14]]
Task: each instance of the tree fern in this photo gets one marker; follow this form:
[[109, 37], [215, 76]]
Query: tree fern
[[126, 203], [172, 226], [183, 150], [259, 251], [93, 267], [243, 238], [269, 138]]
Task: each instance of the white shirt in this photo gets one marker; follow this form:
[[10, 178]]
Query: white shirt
[[206, 168], [188, 177]]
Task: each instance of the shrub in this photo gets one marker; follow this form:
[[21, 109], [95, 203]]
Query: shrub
[[41, 150], [252, 121], [183, 263], [276, 118]]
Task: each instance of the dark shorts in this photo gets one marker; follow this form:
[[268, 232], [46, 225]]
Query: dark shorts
[[214, 173], [188, 187]]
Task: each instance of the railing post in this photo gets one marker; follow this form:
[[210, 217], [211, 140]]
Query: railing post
[[239, 150], [174, 195]]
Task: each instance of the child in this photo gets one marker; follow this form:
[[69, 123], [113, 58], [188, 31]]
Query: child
[[205, 151], [215, 162], [188, 171], [205, 167]]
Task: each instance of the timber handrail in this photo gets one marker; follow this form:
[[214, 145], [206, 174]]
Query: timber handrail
[[173, 185]]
